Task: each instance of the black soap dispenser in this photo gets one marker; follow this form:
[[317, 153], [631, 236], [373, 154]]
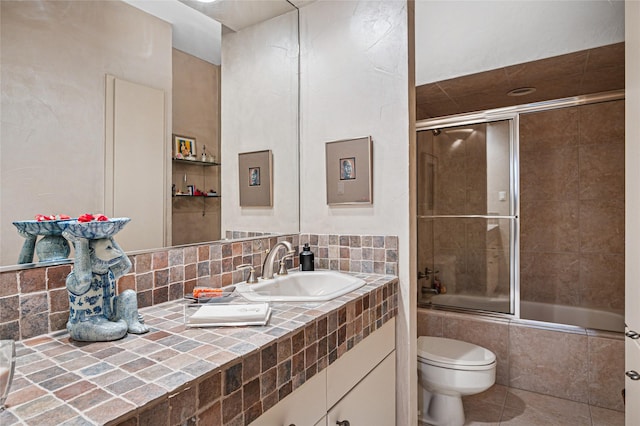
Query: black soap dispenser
[[306, 258]]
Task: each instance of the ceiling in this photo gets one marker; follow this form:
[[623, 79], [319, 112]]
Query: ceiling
[[197, 26], [236, 15], [588, 71]]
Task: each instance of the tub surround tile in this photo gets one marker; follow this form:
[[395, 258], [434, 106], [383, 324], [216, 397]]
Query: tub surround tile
[[602, 123], [606, 372], [574, 154], [565, 357], [493, 335], [602, 281], [583, 366], [557, 180], [550, 277], [162, 377], [430, 323]]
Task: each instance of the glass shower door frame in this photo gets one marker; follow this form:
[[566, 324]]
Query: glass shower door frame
[[514, 206]]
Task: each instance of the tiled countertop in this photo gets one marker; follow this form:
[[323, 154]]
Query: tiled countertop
[[180, 375]]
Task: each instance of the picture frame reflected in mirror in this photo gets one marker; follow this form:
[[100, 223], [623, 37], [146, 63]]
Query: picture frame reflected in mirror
[[184, 147], [255, 178]]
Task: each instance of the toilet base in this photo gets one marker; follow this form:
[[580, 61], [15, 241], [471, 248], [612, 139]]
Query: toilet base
[[440, 410]]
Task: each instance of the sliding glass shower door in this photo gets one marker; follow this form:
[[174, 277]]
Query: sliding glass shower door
[[467, 216]]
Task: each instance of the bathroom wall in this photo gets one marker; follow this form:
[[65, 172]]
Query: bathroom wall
[[355, 81], [572, 206], [579, 365], [53, 101], [260, 112], [196, 113]]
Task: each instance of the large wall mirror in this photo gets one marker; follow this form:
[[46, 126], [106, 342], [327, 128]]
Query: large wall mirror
[[55, 58]]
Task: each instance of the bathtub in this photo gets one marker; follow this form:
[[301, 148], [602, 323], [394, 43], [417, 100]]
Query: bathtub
[[547, 312]]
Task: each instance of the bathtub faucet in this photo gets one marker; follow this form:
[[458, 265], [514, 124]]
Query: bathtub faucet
[[430, 290]]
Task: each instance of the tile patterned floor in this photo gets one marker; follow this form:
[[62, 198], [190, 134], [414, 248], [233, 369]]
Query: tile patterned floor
[[504, 406]]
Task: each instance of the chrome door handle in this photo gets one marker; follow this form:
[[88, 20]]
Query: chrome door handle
[[632, 334], [633, 375], [343, 423]]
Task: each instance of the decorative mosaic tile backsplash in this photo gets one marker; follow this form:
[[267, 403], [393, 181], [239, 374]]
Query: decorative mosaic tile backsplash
[[371, 254], [34, 301]]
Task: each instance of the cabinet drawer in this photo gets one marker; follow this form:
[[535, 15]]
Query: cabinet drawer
[[351, 367]]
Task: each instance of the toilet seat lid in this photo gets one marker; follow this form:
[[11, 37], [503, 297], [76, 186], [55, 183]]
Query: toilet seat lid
[[453, 352]]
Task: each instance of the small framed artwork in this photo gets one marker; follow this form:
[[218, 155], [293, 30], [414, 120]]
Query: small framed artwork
[[255, 178], [349, 171], [184, 147]]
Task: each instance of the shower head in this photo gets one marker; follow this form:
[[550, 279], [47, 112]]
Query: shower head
[[436, 132]]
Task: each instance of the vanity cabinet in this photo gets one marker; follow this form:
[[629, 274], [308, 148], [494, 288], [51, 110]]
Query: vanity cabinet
[[306, 406], [359, 387], [372, 401]]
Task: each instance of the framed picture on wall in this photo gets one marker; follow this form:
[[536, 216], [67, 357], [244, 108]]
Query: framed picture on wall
[[349, 171], [184, 147], [255, 178]]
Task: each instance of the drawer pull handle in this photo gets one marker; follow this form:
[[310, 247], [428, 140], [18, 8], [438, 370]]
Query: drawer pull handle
[[343, 423], [633, 375], [632, 334]]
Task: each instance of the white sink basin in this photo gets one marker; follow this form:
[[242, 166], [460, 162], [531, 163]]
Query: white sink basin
[[311, 286]]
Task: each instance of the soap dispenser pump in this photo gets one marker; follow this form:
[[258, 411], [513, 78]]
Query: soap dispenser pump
[[306, 258]]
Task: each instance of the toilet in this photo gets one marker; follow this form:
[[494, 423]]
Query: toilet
[[449, 369]]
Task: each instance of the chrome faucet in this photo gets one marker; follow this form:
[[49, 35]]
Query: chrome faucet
[[267, 268]]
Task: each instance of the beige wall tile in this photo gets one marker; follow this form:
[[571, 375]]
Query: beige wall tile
[[549, 129], [602, 226], [429, 323], [550, 226], [549, 174], [550, 277], [606, 372], [548, 362], [602, 123], [493, 335], [602, 172], [602, 280]]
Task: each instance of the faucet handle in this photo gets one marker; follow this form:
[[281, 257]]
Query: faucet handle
[[283, 266], [252, 272]]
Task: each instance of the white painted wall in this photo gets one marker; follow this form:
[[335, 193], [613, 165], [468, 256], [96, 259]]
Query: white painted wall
[[54, 58], [259, 75], [455, 38], [354, 82]]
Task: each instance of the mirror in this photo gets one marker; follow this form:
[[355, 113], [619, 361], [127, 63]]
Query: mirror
[[54, 57]]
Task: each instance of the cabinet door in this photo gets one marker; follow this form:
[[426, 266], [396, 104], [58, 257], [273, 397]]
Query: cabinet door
[[632, 387], [372, 401], [302, 407]]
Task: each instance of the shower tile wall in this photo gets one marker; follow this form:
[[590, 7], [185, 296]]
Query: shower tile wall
[[572, 206]]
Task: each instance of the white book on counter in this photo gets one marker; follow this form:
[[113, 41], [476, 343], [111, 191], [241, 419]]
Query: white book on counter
[[218, 315]]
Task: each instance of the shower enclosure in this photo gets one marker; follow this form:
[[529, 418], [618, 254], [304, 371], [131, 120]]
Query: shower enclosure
[[521, 211]]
